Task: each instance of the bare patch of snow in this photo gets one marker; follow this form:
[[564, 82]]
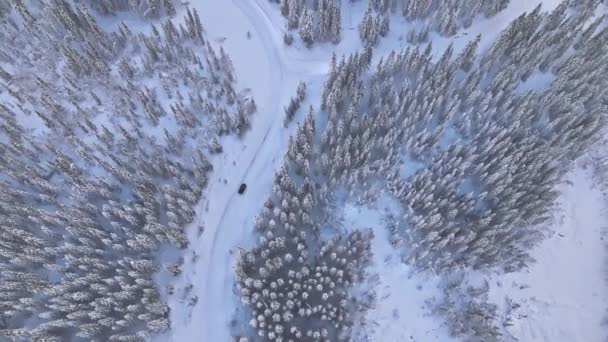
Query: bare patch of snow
[[563, 296], [537, 82], [402, 311], [409, 166]]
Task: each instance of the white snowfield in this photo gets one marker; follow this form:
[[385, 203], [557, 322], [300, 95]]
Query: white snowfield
[[562, 297]]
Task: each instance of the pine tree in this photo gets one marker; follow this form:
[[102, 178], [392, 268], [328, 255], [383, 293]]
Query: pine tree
[[306, 28]]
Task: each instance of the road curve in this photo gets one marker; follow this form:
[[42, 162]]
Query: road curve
[[226, 216], [272, 72]]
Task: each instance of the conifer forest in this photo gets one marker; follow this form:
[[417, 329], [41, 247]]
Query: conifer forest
[[304, 170]]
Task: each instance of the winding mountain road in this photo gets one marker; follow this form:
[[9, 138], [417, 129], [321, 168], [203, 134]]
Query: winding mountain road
[[263, 66]]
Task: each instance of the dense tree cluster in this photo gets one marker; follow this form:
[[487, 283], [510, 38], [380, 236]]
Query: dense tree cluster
[[296, 295], [296, 281], [294, 103], [492, 153], [315, 21], [90, 186], [472, 145], [443, 16]]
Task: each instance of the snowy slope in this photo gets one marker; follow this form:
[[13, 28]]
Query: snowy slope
[[563, 296], [401, 312]]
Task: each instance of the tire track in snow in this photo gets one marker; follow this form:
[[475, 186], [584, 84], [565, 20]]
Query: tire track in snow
[[230, 219], [216, 288], [258, 67]]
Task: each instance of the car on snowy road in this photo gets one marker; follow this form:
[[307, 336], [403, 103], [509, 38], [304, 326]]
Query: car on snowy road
[[242, 188]]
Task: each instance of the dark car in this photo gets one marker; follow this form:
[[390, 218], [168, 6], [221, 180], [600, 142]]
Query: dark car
[[242, 188]]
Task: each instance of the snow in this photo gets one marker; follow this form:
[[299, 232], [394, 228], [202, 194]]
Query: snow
[[401, 312], [409, 166], [538, 82], [561, 297], [564, 295], [272, 73], [449, 137], [227, 216]]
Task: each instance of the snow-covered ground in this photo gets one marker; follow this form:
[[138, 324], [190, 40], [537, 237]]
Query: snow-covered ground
[[562, 296], [401, 312]]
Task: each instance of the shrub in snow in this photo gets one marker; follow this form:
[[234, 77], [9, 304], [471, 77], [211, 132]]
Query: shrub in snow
[[287, 38]]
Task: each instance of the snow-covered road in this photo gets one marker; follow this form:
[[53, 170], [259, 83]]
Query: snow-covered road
[[262, 67]]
